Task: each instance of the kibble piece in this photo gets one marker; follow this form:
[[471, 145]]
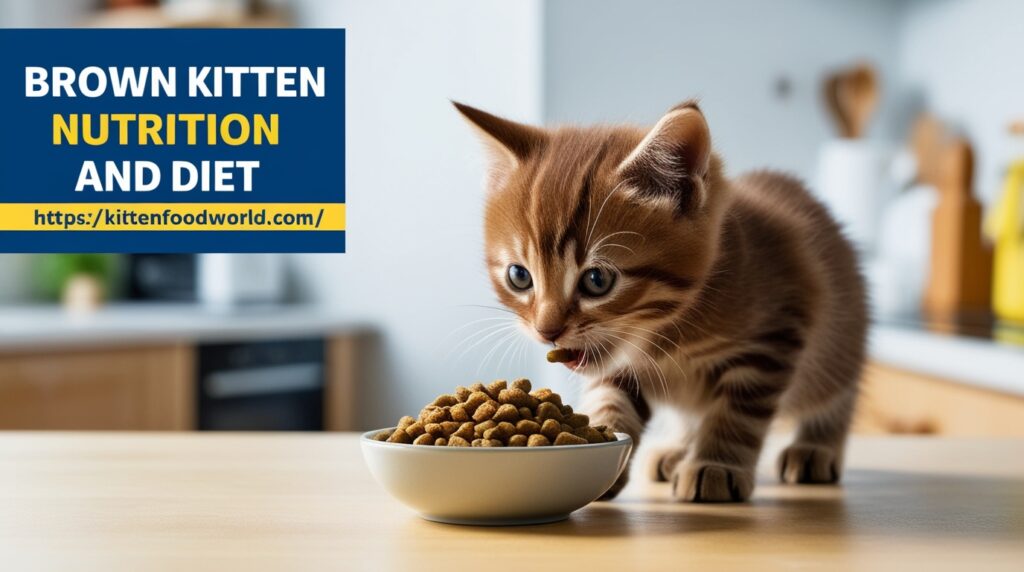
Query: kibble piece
[[546, 395], [441, 442], [506, 412], [578, 420], [458, 412], [435, 429], [424, 439], [495, 388], [437, 415], [518, 441], [399, 436], [561, 355], [455, 441], [445, 400], [527, 427], [548, 410], [492, 443], [550, 429], [382, 436], [462, 393], [484, 412], [477, 443], [566, 427], [465, 431], [476, 399], [502, 431], [405, 422], [565, 438], [480, 428], [415, 430], [522, 384], [590, 434], [537, 440], [609, 435], [525, 413], [449, 427], [478, 387], [566, 410]]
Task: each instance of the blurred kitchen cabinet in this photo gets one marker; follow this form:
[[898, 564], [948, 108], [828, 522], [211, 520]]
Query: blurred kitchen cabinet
[[896, 401], [128, 388]]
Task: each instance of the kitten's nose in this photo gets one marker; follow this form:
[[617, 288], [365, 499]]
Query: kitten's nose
[[551, 334]]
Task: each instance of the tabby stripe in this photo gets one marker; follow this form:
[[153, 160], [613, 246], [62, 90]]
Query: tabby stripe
[[757, 409], [631, 388], [659, 275], [749, 391], [664, 306], [786, 338], [733, 434], [796, 311], [760, 362]]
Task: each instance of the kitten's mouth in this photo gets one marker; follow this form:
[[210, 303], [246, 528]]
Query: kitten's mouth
[[568, 357]]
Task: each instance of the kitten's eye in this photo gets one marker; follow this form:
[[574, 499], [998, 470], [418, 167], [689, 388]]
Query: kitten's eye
[[596, 282], [519, 277]]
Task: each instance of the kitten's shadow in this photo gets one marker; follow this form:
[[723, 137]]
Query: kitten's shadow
[[870, 502]]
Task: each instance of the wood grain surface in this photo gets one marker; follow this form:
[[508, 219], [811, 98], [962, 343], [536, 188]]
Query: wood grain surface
[[104, 501]]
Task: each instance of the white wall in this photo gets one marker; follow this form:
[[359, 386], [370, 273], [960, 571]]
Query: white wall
[[966, 60], [415, 172], [631, 61]]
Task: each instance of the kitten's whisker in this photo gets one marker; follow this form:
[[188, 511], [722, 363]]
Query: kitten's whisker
[[654, 363], [499, 308], [497, 344], [468, 324], [470, 336], [498, 331]]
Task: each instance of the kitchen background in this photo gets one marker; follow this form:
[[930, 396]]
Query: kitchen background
[[356, 340]]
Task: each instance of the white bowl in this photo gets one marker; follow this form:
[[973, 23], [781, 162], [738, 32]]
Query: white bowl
[[495, 486]]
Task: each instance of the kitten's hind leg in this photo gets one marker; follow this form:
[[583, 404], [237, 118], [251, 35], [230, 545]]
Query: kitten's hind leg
[[618, 404], [816, 456]]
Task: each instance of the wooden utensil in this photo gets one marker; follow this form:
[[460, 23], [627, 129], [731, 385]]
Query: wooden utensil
[[851, 96]]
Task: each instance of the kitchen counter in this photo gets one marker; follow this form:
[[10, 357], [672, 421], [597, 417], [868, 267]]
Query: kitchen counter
[[49, 326], [158, 501]]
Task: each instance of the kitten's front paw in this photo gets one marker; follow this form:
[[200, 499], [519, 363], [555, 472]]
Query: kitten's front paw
[[615, 489], [711, 482], [662, 461], [805, 463]]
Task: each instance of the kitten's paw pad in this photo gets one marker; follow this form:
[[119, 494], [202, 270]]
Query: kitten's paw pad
[[803, 463], [709, 482], [616, 488], [662, 462]]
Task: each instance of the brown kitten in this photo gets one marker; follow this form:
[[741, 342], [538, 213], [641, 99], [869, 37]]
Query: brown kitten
[[731, 300]]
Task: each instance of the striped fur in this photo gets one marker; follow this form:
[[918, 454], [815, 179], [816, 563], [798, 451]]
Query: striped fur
[[734, 300]]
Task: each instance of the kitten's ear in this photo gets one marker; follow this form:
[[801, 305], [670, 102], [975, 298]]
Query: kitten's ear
[[673, 159], [510, 141]]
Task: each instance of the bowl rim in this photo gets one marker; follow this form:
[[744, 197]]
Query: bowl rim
[[367, 437]]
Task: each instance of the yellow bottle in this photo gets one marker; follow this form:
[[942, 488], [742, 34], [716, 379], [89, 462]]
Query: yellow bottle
[[1005, 227]]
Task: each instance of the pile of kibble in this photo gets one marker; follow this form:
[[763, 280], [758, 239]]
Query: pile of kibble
[[501, 414]]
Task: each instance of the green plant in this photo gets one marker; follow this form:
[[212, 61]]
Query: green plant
[[52, 271]]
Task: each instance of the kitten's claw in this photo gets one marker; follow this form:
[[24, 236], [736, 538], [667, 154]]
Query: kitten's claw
[[804, 463], [709, 482]]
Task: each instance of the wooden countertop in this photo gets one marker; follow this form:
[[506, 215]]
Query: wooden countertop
[[93, 501]]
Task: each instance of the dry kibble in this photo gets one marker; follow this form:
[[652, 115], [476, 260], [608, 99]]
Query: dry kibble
[[506, 412], [565, 438], [578, 420], [484, 412], [480, 428], [424, 439], [399, 436], [458, 412], [405, 422], [548, 410], [527, 427], [445, 400], [465, 431], [550, 429], [497, 415], [502, 431], [495, 388], [537, 440], [415, 430], [476, 399]]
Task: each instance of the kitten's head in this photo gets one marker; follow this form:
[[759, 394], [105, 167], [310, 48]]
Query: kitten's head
[[599, 237]]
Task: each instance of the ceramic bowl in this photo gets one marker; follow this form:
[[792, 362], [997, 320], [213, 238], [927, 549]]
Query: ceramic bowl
[[495, 486]]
